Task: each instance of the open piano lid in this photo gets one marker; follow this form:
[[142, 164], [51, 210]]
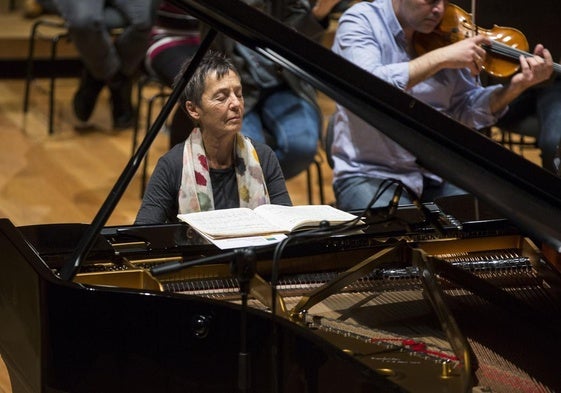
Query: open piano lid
[[523, 192]]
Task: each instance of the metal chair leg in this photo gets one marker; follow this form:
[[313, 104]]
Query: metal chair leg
[[54, 46], [142, 81], [29, 72], [55, 39], [317, 165], [161, 95]]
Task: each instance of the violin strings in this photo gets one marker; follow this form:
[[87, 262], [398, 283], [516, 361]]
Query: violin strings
[[509, 51]]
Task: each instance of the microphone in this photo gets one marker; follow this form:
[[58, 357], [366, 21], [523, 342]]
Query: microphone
[[433, 221], [428, 216]]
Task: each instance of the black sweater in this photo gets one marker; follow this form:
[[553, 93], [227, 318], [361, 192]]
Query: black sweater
[[160, 202]]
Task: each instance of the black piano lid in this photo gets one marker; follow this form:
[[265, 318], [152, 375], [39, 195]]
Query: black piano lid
[[523, 192]]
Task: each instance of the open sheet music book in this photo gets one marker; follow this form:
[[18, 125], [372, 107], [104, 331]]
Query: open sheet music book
[[263, 220]]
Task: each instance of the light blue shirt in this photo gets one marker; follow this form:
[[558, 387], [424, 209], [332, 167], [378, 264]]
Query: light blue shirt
[[370, 36]]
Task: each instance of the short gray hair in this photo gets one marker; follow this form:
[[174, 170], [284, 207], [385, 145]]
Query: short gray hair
[[212, 62]]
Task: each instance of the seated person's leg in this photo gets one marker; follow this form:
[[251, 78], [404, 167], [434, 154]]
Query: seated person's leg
[[130, 49], [253, 127], [132, 43], [295, 126], [548, 104], [86, 28], [357, 193]]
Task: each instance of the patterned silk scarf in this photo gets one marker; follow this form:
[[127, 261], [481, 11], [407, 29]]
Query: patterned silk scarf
[[195, 193]]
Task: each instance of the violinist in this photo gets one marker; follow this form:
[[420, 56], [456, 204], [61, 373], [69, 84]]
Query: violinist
[[379, 37]]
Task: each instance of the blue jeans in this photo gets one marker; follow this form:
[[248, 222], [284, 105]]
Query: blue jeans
[[356, 193], [102, 55], [290, 125]]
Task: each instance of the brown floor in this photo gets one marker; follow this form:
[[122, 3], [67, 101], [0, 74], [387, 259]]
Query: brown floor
[[65, 177]]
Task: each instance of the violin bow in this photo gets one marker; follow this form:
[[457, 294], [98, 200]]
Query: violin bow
[[473, 9]]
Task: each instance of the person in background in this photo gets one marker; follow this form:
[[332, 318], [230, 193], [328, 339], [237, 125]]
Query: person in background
[[108, 61], [544, 102], [541, 102], [174, 39], [281, 109], [216, 167], [378, 37]]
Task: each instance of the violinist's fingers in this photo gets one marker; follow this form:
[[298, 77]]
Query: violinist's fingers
[[534, 64], [482, 53], [475, 68], [536, 68], [478, 61], [538, 50], [546, 54], [524, 66], [482, 40]]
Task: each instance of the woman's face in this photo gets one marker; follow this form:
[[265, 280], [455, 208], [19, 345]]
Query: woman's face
[[222, 106]]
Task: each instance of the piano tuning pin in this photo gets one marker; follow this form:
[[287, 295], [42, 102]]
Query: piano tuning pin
[[446, 370]]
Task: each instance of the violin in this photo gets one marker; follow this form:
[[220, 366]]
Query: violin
[[507, 43]]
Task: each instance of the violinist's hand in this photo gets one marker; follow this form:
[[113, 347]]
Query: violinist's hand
[[467, 53], [534, 70]]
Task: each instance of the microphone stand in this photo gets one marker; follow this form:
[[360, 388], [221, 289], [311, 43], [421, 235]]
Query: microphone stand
[[243, 266], [243, 263]]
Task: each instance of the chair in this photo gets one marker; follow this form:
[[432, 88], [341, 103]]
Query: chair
[[522, 134], [114, 21], [326, 141], [162, 93], [315, 165]]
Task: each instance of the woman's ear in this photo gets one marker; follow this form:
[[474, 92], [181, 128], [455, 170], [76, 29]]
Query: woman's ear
[[192, 110]]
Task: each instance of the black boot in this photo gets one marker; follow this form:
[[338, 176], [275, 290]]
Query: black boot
[[123, 112], [86, 96]]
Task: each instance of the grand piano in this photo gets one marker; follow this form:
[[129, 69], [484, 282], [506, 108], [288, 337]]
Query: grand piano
[[460, 295]]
